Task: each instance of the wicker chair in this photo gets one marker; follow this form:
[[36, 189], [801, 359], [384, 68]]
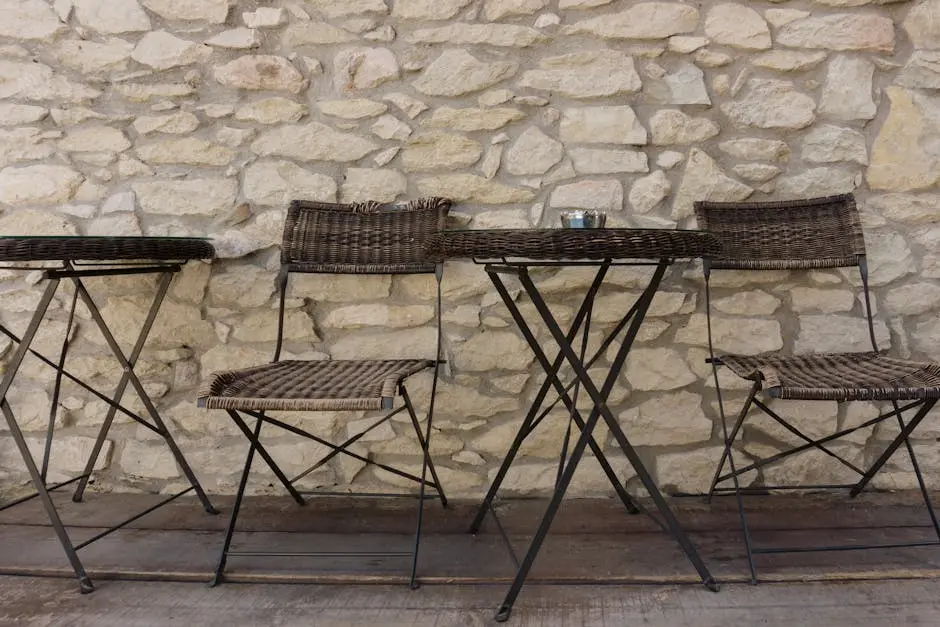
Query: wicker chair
[[810, 234], [364, 238]]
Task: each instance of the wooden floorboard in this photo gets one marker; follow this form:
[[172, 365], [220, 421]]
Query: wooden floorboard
[[593, 540], [53, 603]]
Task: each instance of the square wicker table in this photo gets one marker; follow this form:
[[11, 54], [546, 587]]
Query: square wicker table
[[75, 258], [515, 252]]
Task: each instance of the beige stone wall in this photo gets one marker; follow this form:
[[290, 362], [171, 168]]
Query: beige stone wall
[[204, 117]]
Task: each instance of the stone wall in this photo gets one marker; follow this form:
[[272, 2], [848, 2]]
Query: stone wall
[[204, 117]]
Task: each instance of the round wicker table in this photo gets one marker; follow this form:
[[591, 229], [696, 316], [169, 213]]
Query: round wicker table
[[513, 252], [73, 259]]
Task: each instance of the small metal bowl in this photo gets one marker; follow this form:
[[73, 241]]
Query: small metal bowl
[[581, 219]]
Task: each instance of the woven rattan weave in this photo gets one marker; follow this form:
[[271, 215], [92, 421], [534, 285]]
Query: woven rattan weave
[[310, 385], [815, 233], [557, 244], [361, 238], [839, 376], [81, 248]]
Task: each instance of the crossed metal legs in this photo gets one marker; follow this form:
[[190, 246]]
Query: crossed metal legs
[[38, 474], [600, 410], [255, 445]]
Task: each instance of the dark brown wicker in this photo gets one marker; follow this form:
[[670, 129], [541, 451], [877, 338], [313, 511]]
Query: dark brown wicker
[[82, 248], [361, 238], [814, 233], [839, 376], [561, 244], [309, 385]]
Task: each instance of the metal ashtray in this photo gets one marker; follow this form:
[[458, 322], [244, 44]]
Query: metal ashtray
[[581, 219]]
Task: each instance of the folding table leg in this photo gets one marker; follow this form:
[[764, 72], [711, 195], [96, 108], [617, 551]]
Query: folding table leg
[[35, 476], [130, 376]]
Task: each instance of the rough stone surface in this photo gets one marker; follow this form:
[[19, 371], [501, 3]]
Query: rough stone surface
[[312, 142], [261, 72], [645, 20], [533, 152], [646, 193], [671, 126], [862, 31], [279, 182], [829, 144], [602, 125], [737, 26], [207, 197], [440, 151], [585, 75], [900, 160], [589, 194], [846, 93], [703, 180], [110, 18], [364, 68], [769, 103], [607, 161], [211, 11]]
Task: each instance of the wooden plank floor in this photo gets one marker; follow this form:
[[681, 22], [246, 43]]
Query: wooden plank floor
[[592, 540], [32, 602]]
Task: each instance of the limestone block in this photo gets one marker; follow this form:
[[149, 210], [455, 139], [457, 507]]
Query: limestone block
[[498, 9], [657, 369], [923, 24], [456, 72], [179, 123], [38, 184], [261, 326], [202, 196], [824, 300], [428, 9], [704, 180], [913, 299], [922, 70], [581, 4], [350, 7], [770, 103], [139, 92], [753, 303], [900, 160], [245, 286], [817, 182], [279, 182], [616, 124], [313, 33], [261, 72], [24, 144], [605, 195], [210, 11], [472, 119], [37, 81], [788, 60], [533, 152], [340, 288], [186, 150], [846, 93], [35, 222], [265, 17], [390, 127], [378, 315], [671, 126], [94, 58], [379, 184], [828, 333], [492, 350], [737, 26], [647, 192], [15, 114], [907, 208], [829, 144], [667, 420], [364, 68], [191, 282], [689, 472], [312, 142], [608, 161], [162, 51], [472, 188], [107, 17], [842, 31], [148, 461], [440, 151], [222, 357], [275, 110], [461, 34], [354, 109], [756, 149], [176, 325], [889, 256], [410, 106], [589, 74], [236, 39], [745, 336], [644, 20], [417, 343], [29, 19]]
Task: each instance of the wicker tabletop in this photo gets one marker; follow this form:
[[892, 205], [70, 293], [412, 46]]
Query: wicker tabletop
[[561, 244], [100, 248]]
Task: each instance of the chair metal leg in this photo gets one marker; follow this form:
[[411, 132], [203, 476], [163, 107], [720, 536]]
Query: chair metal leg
[[256, 443], [729, 438], [425, 463], [236, 506], [131, 376], [422, 442], [917, 473]]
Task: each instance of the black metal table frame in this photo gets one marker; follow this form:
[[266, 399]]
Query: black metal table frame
[[568, 463], [75, 273]]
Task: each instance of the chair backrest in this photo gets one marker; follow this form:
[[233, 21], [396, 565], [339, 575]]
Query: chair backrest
[[812, 233], [361, 238]]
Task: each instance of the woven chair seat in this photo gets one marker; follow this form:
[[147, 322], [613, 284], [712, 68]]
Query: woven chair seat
[[293, 385], [97, 248], [839, 376]]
